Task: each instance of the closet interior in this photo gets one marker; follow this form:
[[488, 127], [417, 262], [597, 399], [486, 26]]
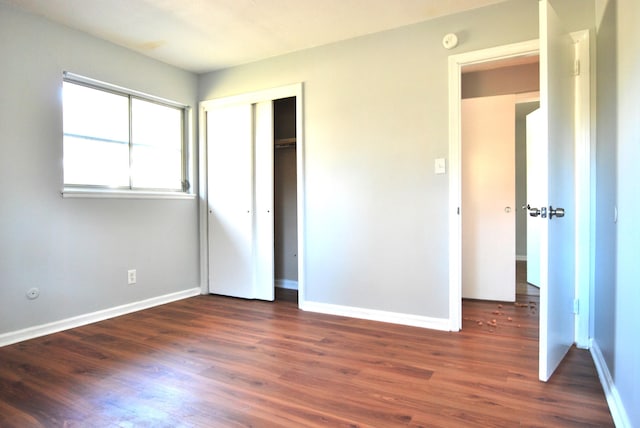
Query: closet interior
[[285, 200]]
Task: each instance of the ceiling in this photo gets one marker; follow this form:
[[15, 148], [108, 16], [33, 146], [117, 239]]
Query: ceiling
[[206, 35]]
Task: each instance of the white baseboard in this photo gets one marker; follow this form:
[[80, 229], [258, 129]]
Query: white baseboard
[[286, 283], [376, 315], [520, 258], [616, 407], [80, 320]]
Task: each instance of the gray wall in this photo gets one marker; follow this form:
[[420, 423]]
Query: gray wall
[[77, 251], [501, 81], [627, 347], [605, 258], [375, 119], [616, 297]]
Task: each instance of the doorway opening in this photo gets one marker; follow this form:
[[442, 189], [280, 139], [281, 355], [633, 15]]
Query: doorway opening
[[495, 98], [478, 59], [285, 220]]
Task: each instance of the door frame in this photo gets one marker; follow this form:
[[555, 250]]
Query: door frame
[[293, 90], [584, 161]]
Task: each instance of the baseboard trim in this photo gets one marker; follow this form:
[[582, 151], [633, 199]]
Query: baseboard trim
[[286, 283], [376, 315], [80, 320], [616, 407]]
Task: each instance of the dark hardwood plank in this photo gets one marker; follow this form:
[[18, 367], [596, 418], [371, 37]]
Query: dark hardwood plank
[[212, 361]]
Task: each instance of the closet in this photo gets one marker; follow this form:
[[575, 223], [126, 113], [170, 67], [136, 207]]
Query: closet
[[285, 199], [252, 174]]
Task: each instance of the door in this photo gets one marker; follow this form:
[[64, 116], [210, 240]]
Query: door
[[488, 198], [264, 270], [240, 199], [536, 166], [557, 233]]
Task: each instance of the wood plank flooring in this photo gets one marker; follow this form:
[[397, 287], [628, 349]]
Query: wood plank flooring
[[212, 361]]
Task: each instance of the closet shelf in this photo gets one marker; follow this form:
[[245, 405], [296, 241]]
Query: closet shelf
[[283, 143]]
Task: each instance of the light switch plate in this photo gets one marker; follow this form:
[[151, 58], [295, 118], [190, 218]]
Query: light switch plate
[[440, 166]]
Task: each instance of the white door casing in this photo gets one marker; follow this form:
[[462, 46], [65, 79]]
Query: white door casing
[[488, 198]]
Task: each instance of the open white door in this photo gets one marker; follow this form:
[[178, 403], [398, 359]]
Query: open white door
[[536, 194], [557, 289], [240, 199]]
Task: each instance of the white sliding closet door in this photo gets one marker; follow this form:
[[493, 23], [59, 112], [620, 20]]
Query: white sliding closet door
[[240, 200], [264, 276]]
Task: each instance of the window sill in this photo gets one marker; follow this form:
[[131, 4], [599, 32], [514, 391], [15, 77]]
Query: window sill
[[70, 192]]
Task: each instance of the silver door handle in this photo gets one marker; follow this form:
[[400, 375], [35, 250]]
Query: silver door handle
[[558, 212], [533, 212]]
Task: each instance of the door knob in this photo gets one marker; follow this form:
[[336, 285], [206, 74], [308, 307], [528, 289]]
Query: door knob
[[558, 212], [533, 212]]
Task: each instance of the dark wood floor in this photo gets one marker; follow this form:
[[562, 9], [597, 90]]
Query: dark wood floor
[[215, 362]]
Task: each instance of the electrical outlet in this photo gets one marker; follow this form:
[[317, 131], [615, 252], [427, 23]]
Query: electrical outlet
[[131, 276]]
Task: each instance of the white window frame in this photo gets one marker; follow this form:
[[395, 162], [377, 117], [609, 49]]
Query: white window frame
[[93, 191]]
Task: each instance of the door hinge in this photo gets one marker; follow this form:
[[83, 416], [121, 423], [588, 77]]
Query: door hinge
[[576, 68], [576, 306], [458, 210]]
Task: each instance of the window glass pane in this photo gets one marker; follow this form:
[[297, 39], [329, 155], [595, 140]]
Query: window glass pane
[[96, 163], [113, 138], [156, 145], [96, 137], [94, 113]]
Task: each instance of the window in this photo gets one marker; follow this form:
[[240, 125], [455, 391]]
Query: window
[[121, 140]]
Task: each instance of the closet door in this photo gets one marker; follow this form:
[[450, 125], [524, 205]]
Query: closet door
[[240, 200], [264, 235], [230, 200]]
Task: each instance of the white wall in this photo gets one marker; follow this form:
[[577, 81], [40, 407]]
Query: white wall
[[77, 251]]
